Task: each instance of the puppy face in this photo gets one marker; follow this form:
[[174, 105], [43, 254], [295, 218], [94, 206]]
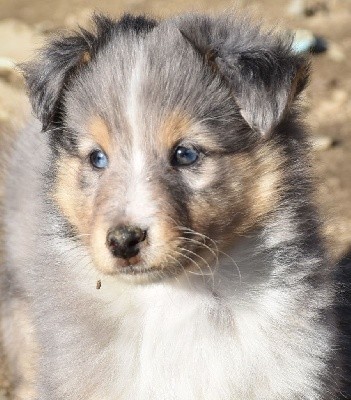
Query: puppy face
[[152, 135]]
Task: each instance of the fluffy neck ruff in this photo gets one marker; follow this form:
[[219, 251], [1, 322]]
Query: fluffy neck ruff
[[251, 328]]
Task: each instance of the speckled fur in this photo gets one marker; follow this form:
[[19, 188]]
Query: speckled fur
[[238, 303]]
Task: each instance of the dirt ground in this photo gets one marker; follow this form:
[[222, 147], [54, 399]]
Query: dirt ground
[[25, 24]]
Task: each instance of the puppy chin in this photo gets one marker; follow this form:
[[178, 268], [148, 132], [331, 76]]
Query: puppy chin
[[143, 274]]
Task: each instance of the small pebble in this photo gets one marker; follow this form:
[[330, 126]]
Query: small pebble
[[303, 41], [322, 143], [306, 42], [320, 45]]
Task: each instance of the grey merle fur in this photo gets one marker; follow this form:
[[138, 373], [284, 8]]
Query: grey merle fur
[[59, 62], [243, 84]]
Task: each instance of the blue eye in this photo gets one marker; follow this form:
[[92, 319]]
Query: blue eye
[[98, 159], [184, 156]]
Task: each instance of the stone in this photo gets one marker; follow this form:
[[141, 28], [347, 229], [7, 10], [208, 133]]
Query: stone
[[305, 41], [322, 143]]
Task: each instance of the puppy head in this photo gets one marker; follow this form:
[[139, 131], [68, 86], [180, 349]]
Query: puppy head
[[165, 136]]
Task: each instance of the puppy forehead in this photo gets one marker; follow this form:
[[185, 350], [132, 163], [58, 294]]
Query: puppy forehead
[[175, 127], [154, 86]]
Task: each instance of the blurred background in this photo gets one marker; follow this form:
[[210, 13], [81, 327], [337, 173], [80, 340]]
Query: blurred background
[[323, 28]]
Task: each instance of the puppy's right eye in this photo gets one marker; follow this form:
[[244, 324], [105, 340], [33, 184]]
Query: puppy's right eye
[[98, 159]]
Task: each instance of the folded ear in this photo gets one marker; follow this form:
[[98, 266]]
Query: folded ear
[[50, 74], [55, 65], [259, 67]]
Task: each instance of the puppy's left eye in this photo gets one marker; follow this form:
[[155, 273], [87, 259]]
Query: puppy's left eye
[[184, 156], [98, 159]]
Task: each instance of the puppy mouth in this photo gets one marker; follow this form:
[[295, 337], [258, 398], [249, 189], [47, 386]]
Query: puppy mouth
[[134, 266], [147, 274], [138, 270], [139, 267]]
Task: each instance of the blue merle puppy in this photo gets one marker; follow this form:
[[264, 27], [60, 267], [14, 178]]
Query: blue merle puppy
[[160, 241]]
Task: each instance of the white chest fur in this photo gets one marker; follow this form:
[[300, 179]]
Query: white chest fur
[[177, 341]]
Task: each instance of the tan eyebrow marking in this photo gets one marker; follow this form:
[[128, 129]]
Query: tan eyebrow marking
[[174, 128], [179, 125], [99, 131]]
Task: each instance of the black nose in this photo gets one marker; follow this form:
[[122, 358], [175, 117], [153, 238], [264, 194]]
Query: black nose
[[123, 241]]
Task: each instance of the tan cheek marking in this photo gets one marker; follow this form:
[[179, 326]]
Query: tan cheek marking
[[203, 212], [164, 231], [248, 200], [270, 173], [99, 132], [103, 259], [263, 169], [164, 235], [163, 242], [73, 203], [207, 176]]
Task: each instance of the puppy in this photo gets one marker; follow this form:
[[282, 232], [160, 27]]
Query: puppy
[[160, 241]]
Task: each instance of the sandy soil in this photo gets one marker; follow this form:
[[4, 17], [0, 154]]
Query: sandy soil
[[25, 24]]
